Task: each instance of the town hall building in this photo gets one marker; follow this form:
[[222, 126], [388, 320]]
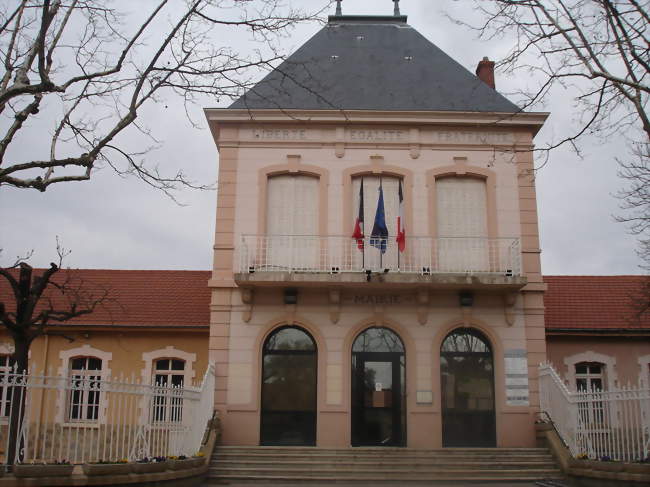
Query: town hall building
[[376, 273]]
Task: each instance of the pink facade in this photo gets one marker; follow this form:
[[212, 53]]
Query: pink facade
[[467, 288]]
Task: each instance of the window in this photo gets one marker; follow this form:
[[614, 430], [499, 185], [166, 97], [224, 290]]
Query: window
[[5, 370], [461, 221], [589, 377], [372, 258], [85, 384], [292, 222], [168, 379]]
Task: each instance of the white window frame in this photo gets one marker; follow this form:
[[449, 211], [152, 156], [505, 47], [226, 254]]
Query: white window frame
[[148, 371], [590, 376], [64, 370], [89, 381], [644, 372], [610, 377], [4, 390]]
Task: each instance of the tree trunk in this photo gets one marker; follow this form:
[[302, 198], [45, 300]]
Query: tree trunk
[[17, 393]]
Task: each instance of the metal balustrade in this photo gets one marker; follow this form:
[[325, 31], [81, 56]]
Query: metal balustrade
[[613, 423], [422, 255], [99, 418]]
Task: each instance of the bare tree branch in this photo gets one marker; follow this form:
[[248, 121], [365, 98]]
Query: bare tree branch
[[87, 67]]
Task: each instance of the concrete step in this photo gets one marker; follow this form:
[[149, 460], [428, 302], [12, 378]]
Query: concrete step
[[394, 474], [382, 465], [437, 481], [313, 466]]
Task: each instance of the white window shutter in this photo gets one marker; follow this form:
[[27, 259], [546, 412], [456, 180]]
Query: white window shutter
[[461, 216]]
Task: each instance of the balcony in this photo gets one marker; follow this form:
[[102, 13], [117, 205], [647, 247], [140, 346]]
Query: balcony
[[304, 260]]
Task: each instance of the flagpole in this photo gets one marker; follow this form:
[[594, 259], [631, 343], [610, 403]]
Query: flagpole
[[381, 254], [363, 230], [398, 229]]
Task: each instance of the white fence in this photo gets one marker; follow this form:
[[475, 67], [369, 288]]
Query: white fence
[[422, 255], [88, 418], [613, 423]]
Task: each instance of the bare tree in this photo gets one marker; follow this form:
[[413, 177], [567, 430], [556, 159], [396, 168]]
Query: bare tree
[[85, 68], [30, 305], [596, 50]]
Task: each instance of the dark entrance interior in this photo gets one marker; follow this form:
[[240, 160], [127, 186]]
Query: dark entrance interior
[[289, 388], [378, 389], [467, 383]]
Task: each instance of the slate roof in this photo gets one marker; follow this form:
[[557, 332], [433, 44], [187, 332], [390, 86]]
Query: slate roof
[[372, 63], [596, 302], [137, 298]]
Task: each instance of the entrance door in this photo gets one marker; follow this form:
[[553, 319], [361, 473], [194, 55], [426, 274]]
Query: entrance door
[[467, 382], [378, 407], [289, 388]]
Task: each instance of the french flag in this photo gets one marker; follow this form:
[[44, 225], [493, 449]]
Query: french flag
[[358, 224], [401, 232]]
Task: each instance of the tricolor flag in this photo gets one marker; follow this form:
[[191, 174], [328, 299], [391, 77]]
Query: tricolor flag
[[379, 233], [401, 232], [358, 224]]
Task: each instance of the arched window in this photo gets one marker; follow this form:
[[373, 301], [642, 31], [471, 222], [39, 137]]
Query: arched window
[[467, 389], [289, 378], [378, 389], [85, 384]]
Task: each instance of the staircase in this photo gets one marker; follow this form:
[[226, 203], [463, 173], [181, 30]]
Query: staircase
[[386, 466]]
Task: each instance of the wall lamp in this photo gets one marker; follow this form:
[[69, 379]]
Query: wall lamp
[[466, 298], [290, 295]]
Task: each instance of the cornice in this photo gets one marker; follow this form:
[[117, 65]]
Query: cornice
[[532, 120]]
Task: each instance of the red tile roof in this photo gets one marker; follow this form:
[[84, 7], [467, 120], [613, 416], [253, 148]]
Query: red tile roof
[[137, 298], [182, 299], [596, 302]]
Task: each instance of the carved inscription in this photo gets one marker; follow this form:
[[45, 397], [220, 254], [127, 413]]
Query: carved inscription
[[377, 135], [377, 299], [280, 134], [469, 137]]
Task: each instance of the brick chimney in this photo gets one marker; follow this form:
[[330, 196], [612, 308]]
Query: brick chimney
[[485, 72]]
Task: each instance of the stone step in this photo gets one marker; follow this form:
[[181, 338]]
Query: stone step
[[393, 474], [438, 481], [378, 449], [379, 455], [384, 464]]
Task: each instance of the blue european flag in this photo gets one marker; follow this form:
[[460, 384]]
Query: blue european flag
[[379, 235]]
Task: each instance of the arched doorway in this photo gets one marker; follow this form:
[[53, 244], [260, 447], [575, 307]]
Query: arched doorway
[[378, 389], [289, 367], [467, 386]]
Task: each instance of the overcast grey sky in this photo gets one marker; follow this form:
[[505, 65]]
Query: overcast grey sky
[[111, 222]]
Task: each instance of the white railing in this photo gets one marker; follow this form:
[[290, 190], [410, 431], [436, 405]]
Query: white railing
[[88, 418], [614, 424], [422, 255]]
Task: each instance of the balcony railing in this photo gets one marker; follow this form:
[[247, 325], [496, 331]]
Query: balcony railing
[[336, 254]]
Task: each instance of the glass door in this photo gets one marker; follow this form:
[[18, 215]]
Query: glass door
[[467, 383], [378, 388]]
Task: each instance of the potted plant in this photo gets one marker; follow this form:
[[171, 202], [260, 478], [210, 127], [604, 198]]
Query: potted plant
[[102, 467], [182, 462], [57, 468], [150, 465]]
